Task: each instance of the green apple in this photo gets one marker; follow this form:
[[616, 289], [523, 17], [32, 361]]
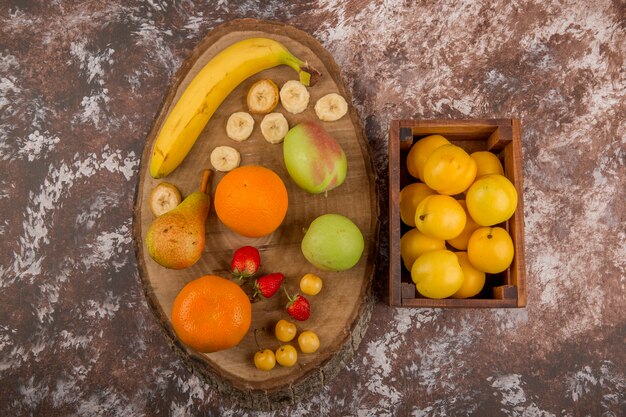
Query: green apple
[[333, 243], [314, 159]]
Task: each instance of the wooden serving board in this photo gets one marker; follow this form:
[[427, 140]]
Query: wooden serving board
[[341, 311]]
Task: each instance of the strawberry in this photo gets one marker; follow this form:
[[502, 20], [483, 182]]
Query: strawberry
[[268, 285], [298, 307], [246, 262]]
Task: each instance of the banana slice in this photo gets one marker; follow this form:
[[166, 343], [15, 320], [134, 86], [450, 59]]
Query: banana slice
[[239, 126], [331, 107], [294, 96], [225, 158], [274, 127], [163, 198], [262, 97]]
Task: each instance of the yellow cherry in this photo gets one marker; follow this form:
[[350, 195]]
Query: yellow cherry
[[264, 360], [286, 355], [310, 284], [285, 330], [308, 342]]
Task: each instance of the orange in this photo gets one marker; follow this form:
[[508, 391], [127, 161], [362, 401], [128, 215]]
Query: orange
[[211, 313], [251, 201]]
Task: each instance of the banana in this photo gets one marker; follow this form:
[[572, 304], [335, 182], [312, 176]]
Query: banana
[[262, 97], [163, 198], [239, 126], [294, 96], [219, 77], [274, 127], [225, 158], [331, 107]]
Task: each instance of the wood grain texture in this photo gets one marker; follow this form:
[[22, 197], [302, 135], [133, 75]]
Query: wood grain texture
[[341, 311], [395, 294], [500, 136], [513, 159]]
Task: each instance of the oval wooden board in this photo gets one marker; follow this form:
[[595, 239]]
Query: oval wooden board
[[341, 311]]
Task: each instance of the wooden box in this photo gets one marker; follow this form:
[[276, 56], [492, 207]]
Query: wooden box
[[503, 138]]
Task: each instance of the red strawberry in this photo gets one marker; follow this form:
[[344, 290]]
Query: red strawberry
[[268, 285], [298, 307], [246, 262]]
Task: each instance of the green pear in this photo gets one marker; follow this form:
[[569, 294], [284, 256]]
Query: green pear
[[333, 243], [176, 239]]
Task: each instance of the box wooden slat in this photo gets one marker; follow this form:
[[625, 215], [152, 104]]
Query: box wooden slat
[[503, 138]]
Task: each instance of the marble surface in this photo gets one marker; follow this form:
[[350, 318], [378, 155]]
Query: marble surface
[[80, 84]]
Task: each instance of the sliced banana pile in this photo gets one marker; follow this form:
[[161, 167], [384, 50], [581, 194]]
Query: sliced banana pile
[[239, 126], [225, 158], [274, 127], [294, 97], [163, 198], [262, 97], [331, 107]]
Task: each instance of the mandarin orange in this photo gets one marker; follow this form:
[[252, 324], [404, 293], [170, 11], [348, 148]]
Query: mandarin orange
[[211, 313], [251, 200]]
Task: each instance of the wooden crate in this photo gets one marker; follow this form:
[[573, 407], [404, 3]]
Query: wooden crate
[[503, 138]]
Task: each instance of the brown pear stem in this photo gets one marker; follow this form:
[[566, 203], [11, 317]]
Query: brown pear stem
[[206, 175]]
